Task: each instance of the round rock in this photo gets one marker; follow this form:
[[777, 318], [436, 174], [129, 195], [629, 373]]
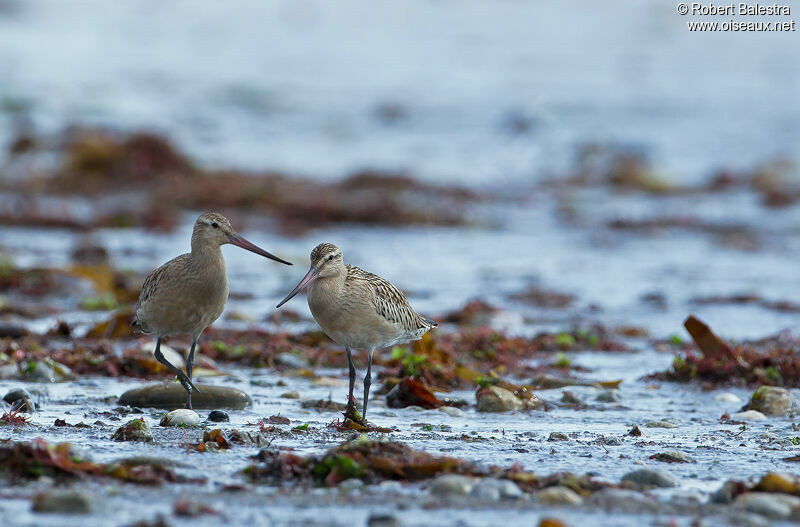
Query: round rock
[[171, 395], [646, 477], [558, 496], [775, 506], [22, 398], [451, 485], [181, 417], [771, 400], [62, 500], [218, 416], [497, 399]]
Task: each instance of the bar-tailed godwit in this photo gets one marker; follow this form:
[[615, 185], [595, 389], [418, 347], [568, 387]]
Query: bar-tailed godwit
[[357, 309], [189, 292]]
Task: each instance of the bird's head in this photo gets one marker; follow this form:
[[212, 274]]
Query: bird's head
[[214, 229], [326, 262]]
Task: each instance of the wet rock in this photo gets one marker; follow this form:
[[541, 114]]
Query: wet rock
[[170, 396], [39, 371], [608, 396], [749, 415], [20, 399], [558, 496], [218, 416], [611, 441], [645, 477], [557, 436], [451, 411], [411, 392], [661, 424], [727, 397], [290, 360], [383, 520], [12, 331], [672, 457], [180, 417], [774, 506], [728, 491], [290, 395], [778, 482], [497, 399], [134, 430], [495, 489], [324, 404], [635, 431], [770, 400], [66, 501], [451, 485], [621, 500]]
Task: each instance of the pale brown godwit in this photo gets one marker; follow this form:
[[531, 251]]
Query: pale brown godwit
[[357, 309], [189, 292]]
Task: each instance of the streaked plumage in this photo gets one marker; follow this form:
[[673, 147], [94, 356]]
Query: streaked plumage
[[358, 309], [189, 292]]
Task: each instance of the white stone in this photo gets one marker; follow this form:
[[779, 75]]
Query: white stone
[[181, 416], [558, 496], [749, 415], [451, 485], [728, 397]]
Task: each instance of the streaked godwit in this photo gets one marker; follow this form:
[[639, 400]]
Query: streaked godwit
[[357, 309], [189, 292]]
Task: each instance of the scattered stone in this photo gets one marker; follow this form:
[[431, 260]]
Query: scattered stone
[[171, 395], [383, 520], [497, 399], [278, 420], [770, 400], [608, 396], [774, 506], [646, 477], [728, 491], [290, 395], [21, 400], [290, 360], [635, 432], [673, 457], [558, 496], [621, 500], [557, 436], [661, 424], [451, 485], [749, 415], [451, 411], [218, 416], [494, 489], [610, 441], [134, 430], [324, 404], [181, 417], [728, 397], [66, 501]]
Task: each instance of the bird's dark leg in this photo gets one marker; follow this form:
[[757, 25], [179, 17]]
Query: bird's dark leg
[[185, 380], [351, 364], [189, 367], [367, 383]]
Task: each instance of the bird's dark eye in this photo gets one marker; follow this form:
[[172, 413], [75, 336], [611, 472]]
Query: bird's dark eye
[[330, 258], [215, 225]]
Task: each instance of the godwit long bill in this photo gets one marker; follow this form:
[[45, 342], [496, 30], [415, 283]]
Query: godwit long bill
[[189, 292], [357, 309]]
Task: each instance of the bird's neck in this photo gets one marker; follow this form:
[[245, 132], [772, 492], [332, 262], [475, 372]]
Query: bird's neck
[[331, 285], [207, 255]]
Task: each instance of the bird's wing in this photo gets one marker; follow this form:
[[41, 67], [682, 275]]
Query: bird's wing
[[387, 299]]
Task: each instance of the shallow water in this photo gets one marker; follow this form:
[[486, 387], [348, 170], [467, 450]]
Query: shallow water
[[494, 96]]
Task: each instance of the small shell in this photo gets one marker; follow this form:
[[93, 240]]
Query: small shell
[[182, 416]]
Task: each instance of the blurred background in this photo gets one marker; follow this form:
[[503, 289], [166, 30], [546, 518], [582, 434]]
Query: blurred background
[[569, 163]]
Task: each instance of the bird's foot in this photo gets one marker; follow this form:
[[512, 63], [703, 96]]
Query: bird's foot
[[351, 415]]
